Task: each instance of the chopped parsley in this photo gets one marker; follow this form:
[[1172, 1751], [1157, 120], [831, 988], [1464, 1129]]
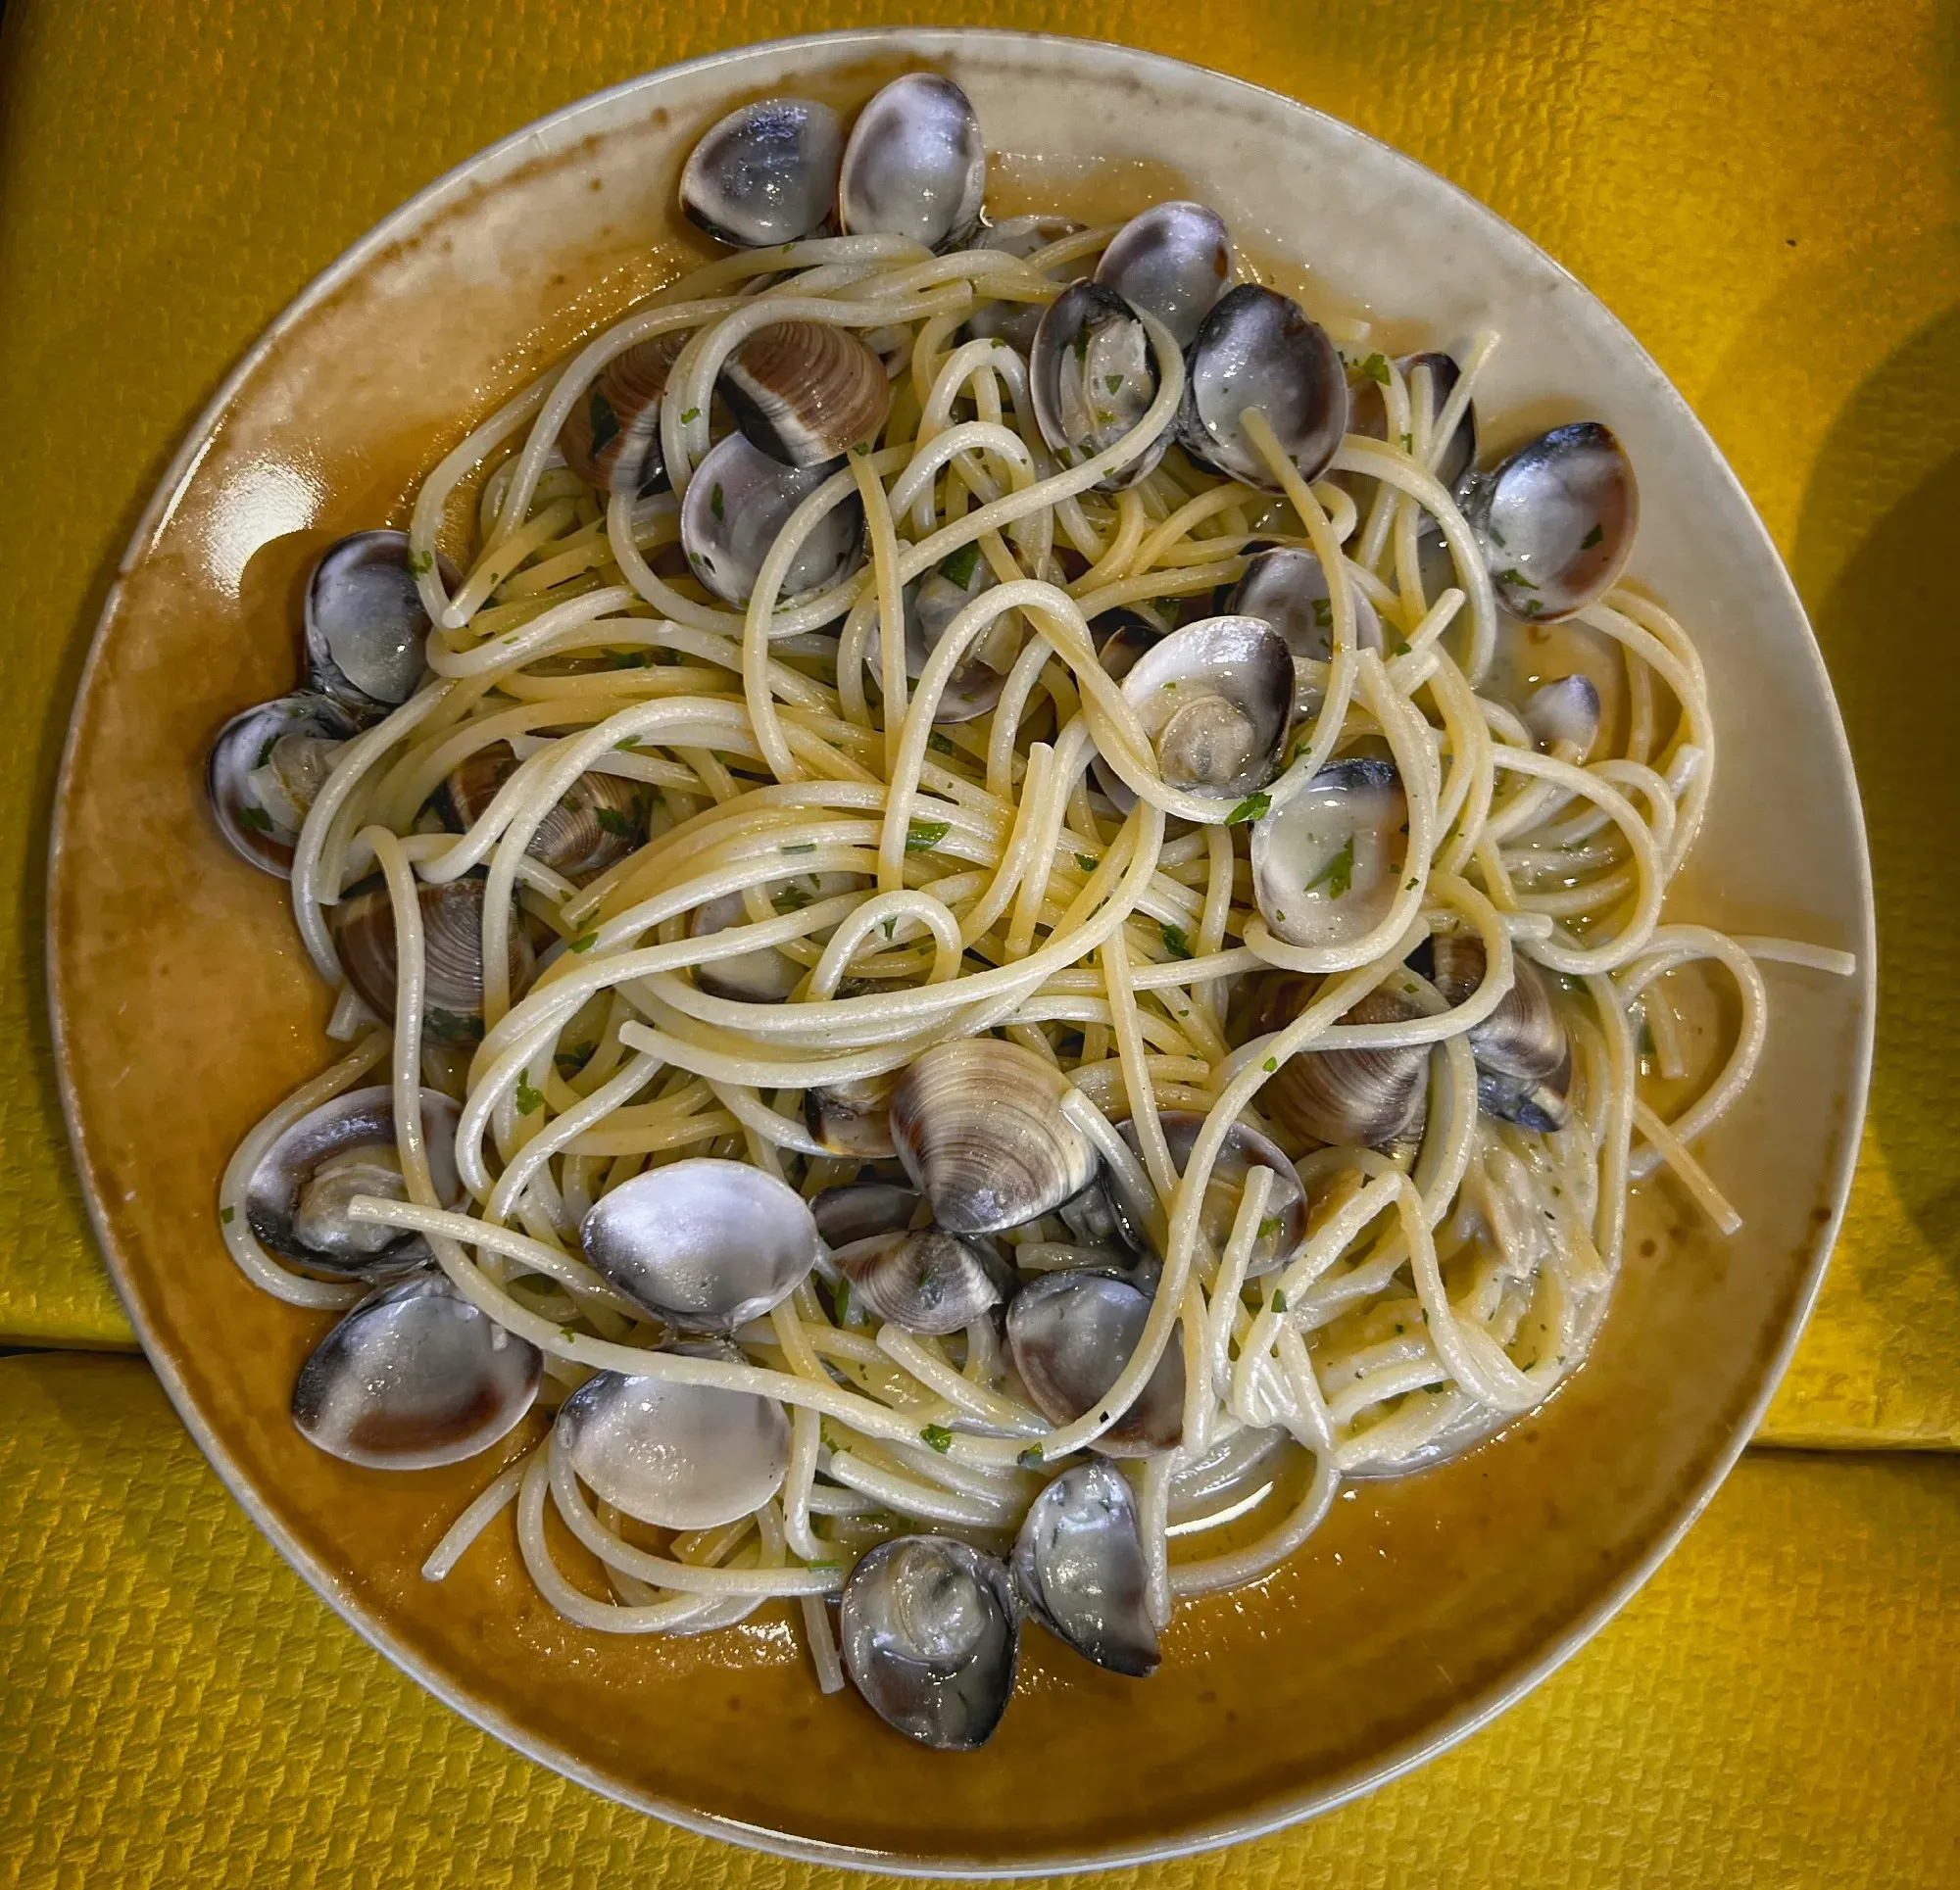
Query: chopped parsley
[[1112, 382], [604, 422], [1323, 613], [791, 897], [1270, 1227], [922, 835], [692, 414], [1592, 538], [840, 1303], [1647, 1039], [1271, 1064], [1401, 646], [1409, 885], [227, 1215], [940, 744], [630, 745], [1030, 1458], [938, 1437], [451, 1028], [614, 822], [1518, 578], [1175, 940], [801, 847], [1376, 368], [1252, 807], [716, 503], [891, 924], [529, 1100], [1338, 875], [1279, 1301], [420, 564], [862, 449], [1086, 862], [628, 659], [1498, 539], [960, 568], [584, 942], [571, 1062], [256, 818]]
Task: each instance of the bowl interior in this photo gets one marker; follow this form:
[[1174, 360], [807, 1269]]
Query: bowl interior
[[185, 1007]]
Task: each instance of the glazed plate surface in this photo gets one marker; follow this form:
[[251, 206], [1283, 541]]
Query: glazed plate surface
[[185, 1007]]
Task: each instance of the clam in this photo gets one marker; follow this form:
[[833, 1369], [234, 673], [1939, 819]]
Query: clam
[[1369, 415], [412, 1378], [1217, 699], [264, 770], [766, 173], [612, 437], [852, 1118], [930, 1638], [1328, 861], [858, 1210], [365, 623], [596, 823], [1071, 1334], [980, 1127], [1079, 1566], [1259, 349], [1556, 520], [1284, 1225], [296, 1198], [1524, 1062], [805, 392], [929, 1282], [1016, 322], [1286, 587], [915, 164], [763, 976], [1173, 261], [738, 502], [677, 1456], [931, 602], [1375, 1098], [1133, 633], [1564, 714], [1091, 376], [703, 1244], [363, 938]]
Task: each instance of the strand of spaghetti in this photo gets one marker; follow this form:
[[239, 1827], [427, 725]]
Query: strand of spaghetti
[[1669, 1148], [496, 1497]]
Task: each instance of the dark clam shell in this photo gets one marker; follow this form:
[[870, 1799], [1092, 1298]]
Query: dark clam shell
[[364, 939]]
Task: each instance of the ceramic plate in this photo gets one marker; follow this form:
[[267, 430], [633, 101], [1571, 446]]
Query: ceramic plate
[[185, 1008]]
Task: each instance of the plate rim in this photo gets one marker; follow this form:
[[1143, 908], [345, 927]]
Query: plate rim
[[1399, 1759]]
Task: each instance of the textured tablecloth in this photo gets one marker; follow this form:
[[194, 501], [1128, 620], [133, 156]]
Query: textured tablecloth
[[1766, 194]]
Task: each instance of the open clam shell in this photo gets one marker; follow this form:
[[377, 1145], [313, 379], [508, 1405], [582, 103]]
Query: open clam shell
[[1286, 587], [1091, 375], [296, 1198], [1284, 1225], [1372, 1099], [1259, 349], [1369, 415], [764, 174], [264, 770], [1328, 861], [928, 1281], [1071, 1334], [980, 1128], [1564, 712], [451, 912], [1524, 1059], [703, 1244], [930, 1638], [365, 623], [677, 1456], [1557, 521], [1080, 1568], [1016, 322], [852, 1118], [915, 164], [857, 1210], [612, 437], [736, 506], [1174, 260], [1217, 699], [805, 392], [412, 1378]]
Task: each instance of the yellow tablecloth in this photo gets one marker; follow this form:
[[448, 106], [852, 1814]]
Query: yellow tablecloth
[[1766, 194], [1776, 1707]]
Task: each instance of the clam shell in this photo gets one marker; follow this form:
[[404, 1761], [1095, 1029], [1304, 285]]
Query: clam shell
[[857, 1210], [1245, 1147], [1288, 588], [805, 392], [1328, 862], [852, 1118], [928, 1281], [736, 506], [1258, 348], [703, 1244], [364, 939], [1368, 416], [930, 1638], [1174, 261], [1557, 521], [294, 739], [612, 437], [596, 823], [412, 1378], [1348, 1098], [1070, 1336], [979, 1127], [1016, 322], [1090, 376], [915, 164], [677, 1456], [289, 1217], [1217, 699], [1524, 1059], [766, 173], [365, 623], [1566, 710], [1080, 1568]]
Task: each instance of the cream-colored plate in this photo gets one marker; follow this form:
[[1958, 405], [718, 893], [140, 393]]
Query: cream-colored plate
[[184, 1007]]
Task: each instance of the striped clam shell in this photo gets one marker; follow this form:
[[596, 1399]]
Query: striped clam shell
[[805, 392], [612, 437]]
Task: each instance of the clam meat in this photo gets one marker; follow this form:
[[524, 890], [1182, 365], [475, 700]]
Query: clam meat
[[297, 1197], [931, 1639], [738, 502], [852, 1118], [915, 164], [264, 771], [1215, 699], [1092, 377], [1071, 1334], [703, 1244], [1259, 349], [1080, 1568], [765, 174], [412, 1378]]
